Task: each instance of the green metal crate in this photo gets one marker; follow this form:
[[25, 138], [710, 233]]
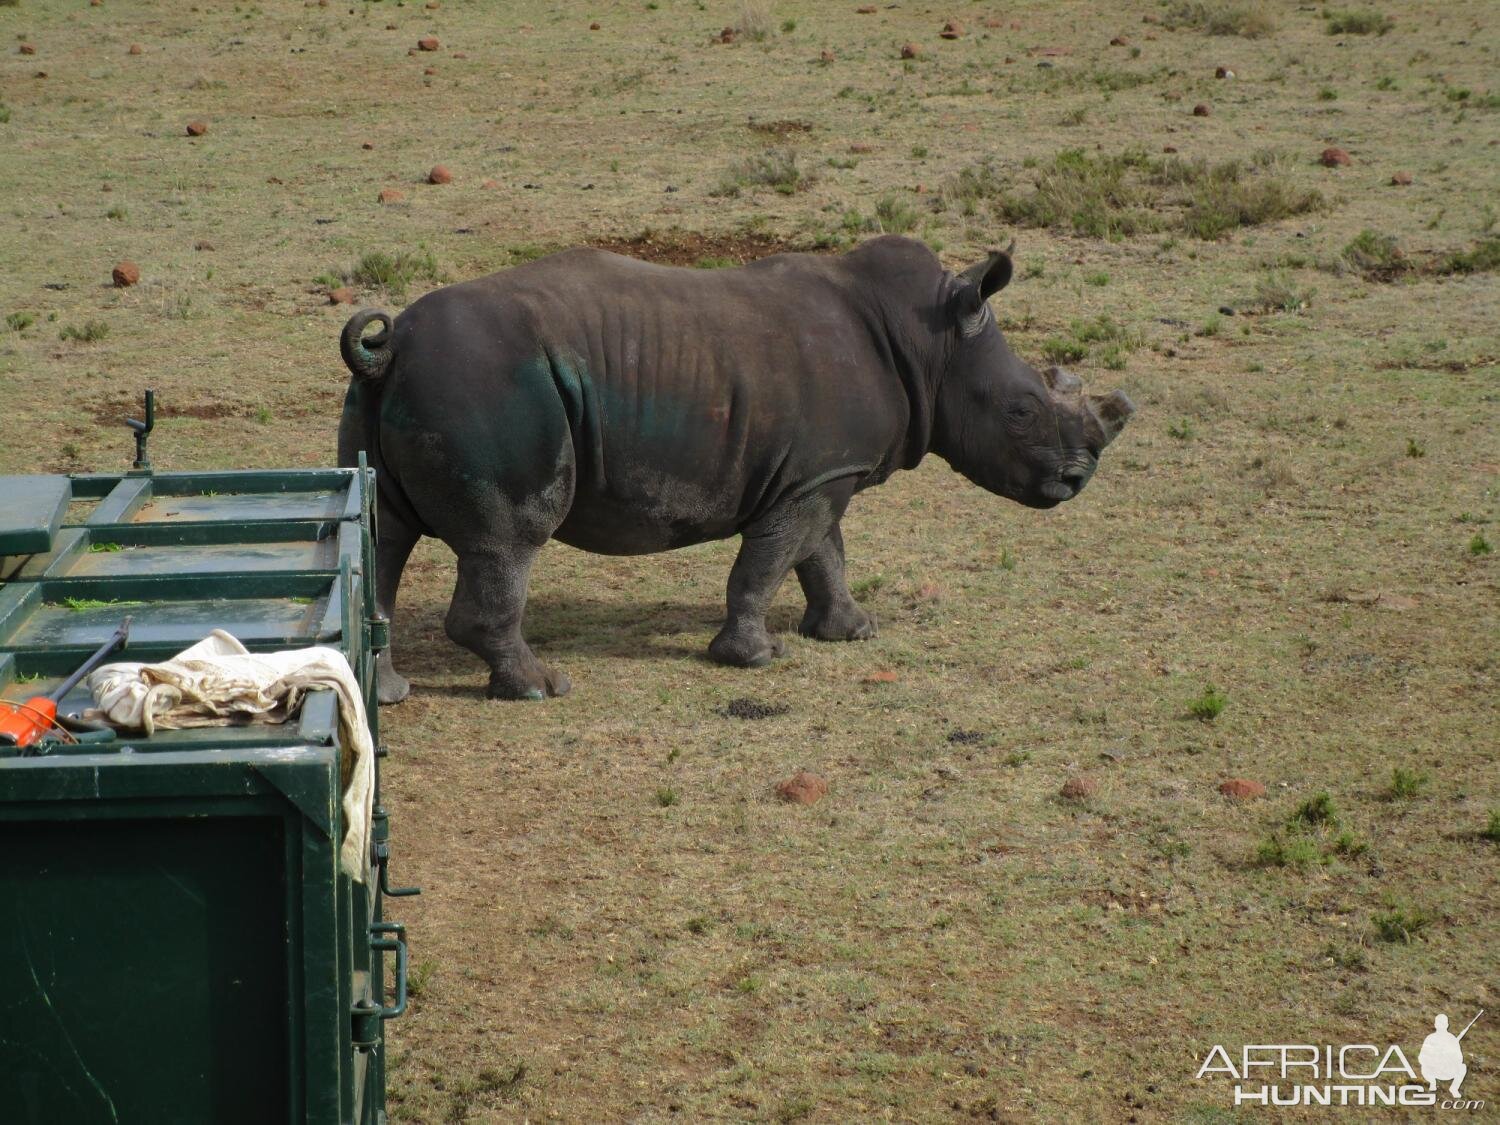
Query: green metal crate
[[178, 941]]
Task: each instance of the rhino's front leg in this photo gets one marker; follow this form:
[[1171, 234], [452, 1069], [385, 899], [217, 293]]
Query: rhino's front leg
[[485, 617], [770, 548], [832, 613]]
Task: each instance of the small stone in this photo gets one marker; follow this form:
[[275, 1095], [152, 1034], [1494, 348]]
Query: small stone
[[1200, 110], [1242, 789], [428, 43], [368, 146], [1120, 41], [392, 195], [135, 49], [125, 274], [197, 128], [952, 30], [1401, 179], [1334, 158], [802, 788], [593, 27], [439, 175], [27, 49], [909, 51], [390, 27], [1079, 787], [1223, 72], [203, 244], [343, 295]]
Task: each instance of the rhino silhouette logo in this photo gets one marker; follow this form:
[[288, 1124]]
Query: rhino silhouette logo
[[1441, 1058]]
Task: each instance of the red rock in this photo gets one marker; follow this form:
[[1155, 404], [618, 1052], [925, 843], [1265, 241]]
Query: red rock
[[908, 50], [884, 676], [125, 274], [802, 788], [439, 175], [489, 185], [391, 195], [428, 43], [343, 295], [1079, 787], [825, 56], [368, 146], [197, 128], [952, 30], [1120, 41], [1401, 179], [135, 49], [1200, 110], [1242, 789], [593, 27], [203, 244], [1334, 157], [27, 49]]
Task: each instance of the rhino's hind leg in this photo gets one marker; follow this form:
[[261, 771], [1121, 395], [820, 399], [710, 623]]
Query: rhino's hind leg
[[832, 613], [770, 548], [393, 546], [485, 617]]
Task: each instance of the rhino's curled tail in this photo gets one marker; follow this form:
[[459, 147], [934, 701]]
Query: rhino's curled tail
[[368, 357]]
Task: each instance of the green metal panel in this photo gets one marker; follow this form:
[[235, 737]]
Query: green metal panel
[[31, 508], [177, 939]]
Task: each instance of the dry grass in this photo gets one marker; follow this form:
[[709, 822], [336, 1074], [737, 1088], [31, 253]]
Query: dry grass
[[620, 920]]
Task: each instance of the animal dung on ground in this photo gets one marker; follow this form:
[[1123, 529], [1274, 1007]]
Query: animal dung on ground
[[439, 175], [1334, 158], [909, 51], [126, 274], [26, 49], [197, 128], [1242, 789], [802, 788], [952, 30], [745, 708], [135, 49], [428, 43], [1401, 179], [1079, 787], [343, 295], [1201, 110]]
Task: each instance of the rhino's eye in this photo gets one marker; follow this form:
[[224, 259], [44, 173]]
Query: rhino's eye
[[1021, 411]]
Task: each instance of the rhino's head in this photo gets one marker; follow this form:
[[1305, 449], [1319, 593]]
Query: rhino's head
[[1034, 437]]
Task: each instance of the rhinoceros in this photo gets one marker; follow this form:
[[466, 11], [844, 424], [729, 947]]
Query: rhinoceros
[[625, 407]]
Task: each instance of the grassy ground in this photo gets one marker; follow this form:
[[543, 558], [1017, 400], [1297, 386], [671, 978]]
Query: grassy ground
[[619, 919]]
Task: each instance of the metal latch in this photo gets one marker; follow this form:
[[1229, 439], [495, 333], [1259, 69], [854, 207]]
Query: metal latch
[[380, 836], [368, 1014]]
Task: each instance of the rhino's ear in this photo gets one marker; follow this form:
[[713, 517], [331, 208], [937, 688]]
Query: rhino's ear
[[991, 275], [1113, 411]]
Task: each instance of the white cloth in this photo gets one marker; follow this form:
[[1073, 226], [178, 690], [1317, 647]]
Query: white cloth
[[218, 681]]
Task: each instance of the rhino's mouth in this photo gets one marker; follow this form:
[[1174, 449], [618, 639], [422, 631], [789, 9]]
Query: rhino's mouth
[[1068, 483]]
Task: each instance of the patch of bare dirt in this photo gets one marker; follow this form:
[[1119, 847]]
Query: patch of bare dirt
[[784, 128], [111, 411], [692, 248]]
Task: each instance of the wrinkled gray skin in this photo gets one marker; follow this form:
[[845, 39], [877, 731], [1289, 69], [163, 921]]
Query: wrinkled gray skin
[[624, 408]]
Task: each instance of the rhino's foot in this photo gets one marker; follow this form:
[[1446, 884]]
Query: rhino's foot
[[391, 687], [527, 679], [745, 647], [837, 623]]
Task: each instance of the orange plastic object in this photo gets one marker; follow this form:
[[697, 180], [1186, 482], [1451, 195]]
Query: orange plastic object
[[25, 723]]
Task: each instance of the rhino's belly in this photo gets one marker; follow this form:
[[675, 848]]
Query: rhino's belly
[[647, 517]]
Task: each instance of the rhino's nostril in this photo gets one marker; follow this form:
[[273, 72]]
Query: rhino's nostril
[[1075, 477]]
